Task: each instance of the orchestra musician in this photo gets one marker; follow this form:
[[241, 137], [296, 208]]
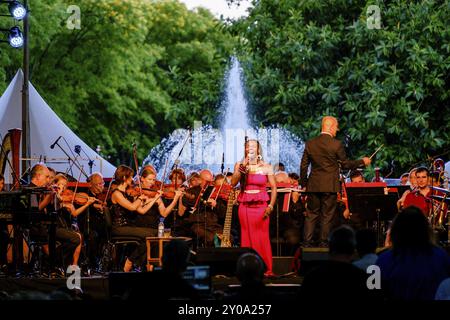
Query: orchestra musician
[[202, 223], [151, 218], [123, 211], [412, 181], [255, 205], [420, 196], [64, 206], [91, 222], [326, 155]]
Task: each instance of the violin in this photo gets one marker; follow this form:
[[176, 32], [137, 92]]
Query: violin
[[221, 192], [79, 198], [136, 192]]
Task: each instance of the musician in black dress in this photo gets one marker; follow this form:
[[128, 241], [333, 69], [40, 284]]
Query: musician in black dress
[[123, 210], [151, 218]]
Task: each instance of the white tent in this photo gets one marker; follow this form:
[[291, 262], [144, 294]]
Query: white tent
[[45, 128]]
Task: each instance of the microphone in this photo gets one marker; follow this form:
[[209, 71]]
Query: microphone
[[190, 135], [54, 143]]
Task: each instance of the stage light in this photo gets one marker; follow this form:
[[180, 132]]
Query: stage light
[[15, 37], [17, 10]]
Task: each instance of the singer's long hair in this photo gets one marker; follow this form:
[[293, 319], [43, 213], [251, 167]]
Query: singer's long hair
[[259, 158]]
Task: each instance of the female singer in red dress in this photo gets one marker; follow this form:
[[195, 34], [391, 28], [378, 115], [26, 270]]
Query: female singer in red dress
[[253, 174]]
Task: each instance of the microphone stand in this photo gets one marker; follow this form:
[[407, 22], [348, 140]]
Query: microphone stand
[[90, 161], [71, 160]]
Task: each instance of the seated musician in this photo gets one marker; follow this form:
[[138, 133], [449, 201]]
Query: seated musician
[[356, 176], [203, 222], [91, 222], [70, 239], [124, 209], [404, 178], [151, 218], [420, 197], [194, 180], [40, 177], [412, 183], [356, 219]]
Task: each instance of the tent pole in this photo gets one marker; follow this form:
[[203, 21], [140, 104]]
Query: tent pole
[[25, 94]]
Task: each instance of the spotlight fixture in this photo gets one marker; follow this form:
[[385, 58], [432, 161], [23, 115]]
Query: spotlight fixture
[[17, 10], [15, 37]]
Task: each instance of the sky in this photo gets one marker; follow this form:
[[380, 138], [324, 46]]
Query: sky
[[218, 7]]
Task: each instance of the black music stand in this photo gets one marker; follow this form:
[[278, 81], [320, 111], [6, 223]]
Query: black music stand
[[373, 204]]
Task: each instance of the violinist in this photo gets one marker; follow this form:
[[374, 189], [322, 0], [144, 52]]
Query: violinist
[[203, 223], [220, 195], [91, 222], [194, 180], [64, 205], [123, 211], [151, 218]]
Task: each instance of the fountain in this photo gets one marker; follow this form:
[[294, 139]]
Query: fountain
[[212, 148]]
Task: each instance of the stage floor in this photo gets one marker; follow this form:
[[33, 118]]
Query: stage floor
[[97, 287]]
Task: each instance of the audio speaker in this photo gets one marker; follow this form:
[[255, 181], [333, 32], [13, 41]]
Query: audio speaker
[[222, 261]]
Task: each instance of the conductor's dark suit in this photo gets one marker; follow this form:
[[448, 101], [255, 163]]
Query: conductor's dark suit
[[324, 153]]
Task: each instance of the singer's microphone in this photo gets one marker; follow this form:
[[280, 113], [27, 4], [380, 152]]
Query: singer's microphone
[[54, 143]]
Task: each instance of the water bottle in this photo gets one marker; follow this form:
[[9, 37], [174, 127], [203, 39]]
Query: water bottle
[[161, 228]]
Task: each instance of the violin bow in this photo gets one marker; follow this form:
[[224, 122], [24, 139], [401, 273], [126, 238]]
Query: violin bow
[[164, 173], [137, 168], [107, 192], [76, 186]]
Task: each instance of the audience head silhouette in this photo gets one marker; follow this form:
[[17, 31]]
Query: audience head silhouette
[[342, 243], [410, 230], [250, 269]]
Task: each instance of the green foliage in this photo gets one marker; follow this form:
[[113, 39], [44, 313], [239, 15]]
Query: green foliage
[[135, 71], [305, 59]]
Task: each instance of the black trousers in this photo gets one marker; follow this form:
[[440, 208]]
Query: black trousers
[[139, 254], [320, 207], [69, 240]]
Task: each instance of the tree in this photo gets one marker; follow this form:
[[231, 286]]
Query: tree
[[305, 59], [134, 71]]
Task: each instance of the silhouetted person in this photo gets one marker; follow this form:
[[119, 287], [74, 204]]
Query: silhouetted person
[[366, 245], [250, 270], [167, 283], [337, 279], [414, 267]]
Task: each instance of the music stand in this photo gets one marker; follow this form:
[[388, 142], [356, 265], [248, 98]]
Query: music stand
[[373, 203]]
